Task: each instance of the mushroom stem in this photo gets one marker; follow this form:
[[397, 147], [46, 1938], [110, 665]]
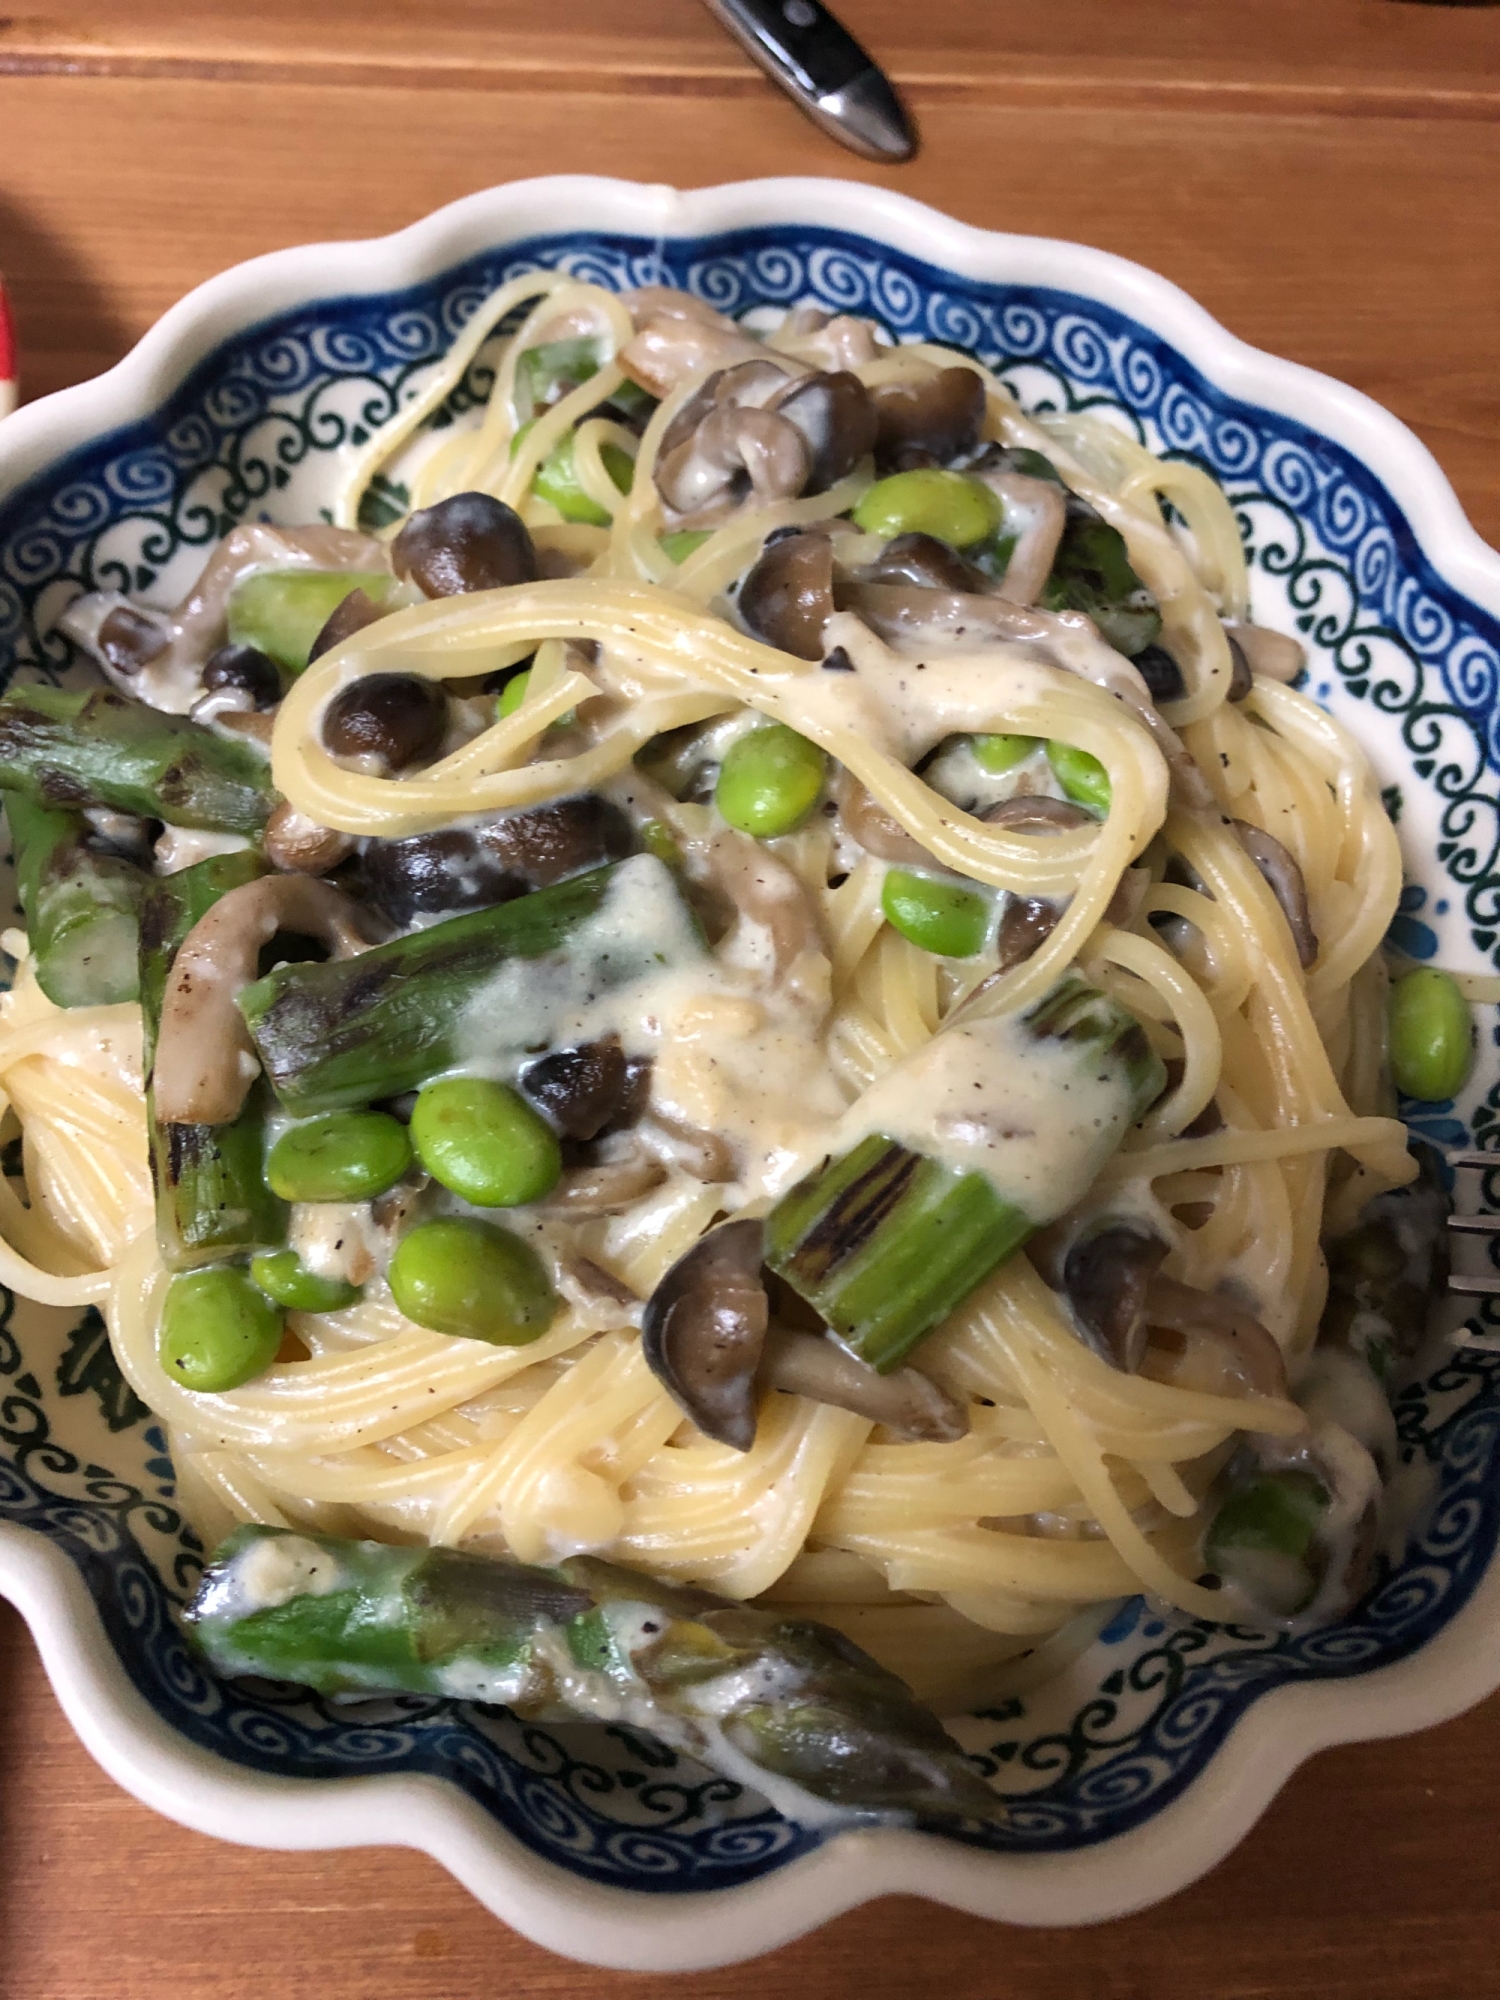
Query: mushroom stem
[[906, 1401], [1213, 1320], [205, 1064], [1286, 882], [1036, 511]]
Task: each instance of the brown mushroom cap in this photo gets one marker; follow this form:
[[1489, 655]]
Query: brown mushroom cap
[[928, 563], [787, 597], [836, 417], [928, 422], [868, 822], [704, 1328], [1026, 923], [397, 720], [129, 640], [581, 1090], [468, 542], [246, 672], [1106, 1277], [736, 451], [1286, 882], [604, 1186], [352, 615], [297, 845]]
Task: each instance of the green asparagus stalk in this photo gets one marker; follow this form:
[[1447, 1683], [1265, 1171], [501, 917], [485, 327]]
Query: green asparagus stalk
[[781, 1703], [82, 906], [1091, 573], [1264, 1539], [885, 1242], [211, 1197], [63, 747], [281, 611], [478, 987]]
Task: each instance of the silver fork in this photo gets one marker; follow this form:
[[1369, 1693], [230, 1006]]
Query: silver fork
[[1475, 1225]]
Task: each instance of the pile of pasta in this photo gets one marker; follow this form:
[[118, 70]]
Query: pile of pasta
[[1076, 1484]]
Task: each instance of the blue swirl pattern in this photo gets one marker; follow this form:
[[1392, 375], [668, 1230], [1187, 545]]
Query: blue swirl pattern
[[1385, 630]]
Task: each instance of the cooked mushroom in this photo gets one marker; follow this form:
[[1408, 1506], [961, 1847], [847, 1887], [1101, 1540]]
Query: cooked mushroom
[[545, 844], [1034, 812], [352, 614], [735, 451], [1240, 680], [1035, 514], [906, 1401], [247, 672], [1286, 883], [391, 720], [468, 542], [707, 1156], [831, 342], [678, 337], [704, 1329], [580, 1090], [204, 1062], [297, 845], [928, 422], [873, 827], [750, 385], [836, 418], [928, 563], [1026, 923], [601, 1187], [1161, 673], [1275, 655], [1210, 1319], [764, 891], [787, 597], [1107, 1275], [128, 639], [432, 874]]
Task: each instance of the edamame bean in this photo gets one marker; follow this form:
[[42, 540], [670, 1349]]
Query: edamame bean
[[342, 1156], [556, 479], [513, 693], [769, 780], [940, 917], [282, 1275], [1432, 1036], [484, 1141], [1081, 776], [473, 1279], [956, 509], [998, 754], [218, 1330], [684, 542]]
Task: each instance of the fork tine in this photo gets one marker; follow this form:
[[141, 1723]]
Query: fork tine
[[1474, 1225], [1484, 1161], [1475, 1288]]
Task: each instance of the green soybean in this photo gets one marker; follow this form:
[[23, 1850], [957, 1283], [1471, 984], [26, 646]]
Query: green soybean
[[484, 1141], [282, 611], [513, 693], [770, 780], [1081, 776], [998, 754], [218, 1330], [556, 479], [957, 509], [684, 542], [940, 917], [472, 1279], [342, 1156], [1432, 1036], [282, 1275]]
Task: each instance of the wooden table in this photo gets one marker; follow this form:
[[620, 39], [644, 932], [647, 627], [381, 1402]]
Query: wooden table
[[1325, 176]]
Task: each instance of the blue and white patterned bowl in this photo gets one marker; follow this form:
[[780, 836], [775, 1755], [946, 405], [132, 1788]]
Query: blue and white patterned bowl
[[1140, 1765]]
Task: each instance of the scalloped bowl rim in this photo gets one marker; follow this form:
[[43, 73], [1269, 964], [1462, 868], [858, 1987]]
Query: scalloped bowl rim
[[679, 1932]]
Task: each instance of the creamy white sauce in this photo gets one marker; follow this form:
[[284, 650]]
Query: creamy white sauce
[[1037, 1117], [180, 847], [268, 1572]]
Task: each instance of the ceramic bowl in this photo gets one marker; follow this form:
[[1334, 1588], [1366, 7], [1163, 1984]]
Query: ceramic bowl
[[1139, 1766]]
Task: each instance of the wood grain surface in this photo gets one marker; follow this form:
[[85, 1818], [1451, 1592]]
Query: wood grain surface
[[1324, 175]]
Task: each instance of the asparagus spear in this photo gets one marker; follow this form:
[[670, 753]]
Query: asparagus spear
[[480, 987], [1091, 573], [82, 906], [1263, 1539], [786, 1705], [211, 1196], [884, 1241], [63, 747]]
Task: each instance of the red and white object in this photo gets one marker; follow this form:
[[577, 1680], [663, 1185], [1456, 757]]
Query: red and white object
[[9, 368]]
